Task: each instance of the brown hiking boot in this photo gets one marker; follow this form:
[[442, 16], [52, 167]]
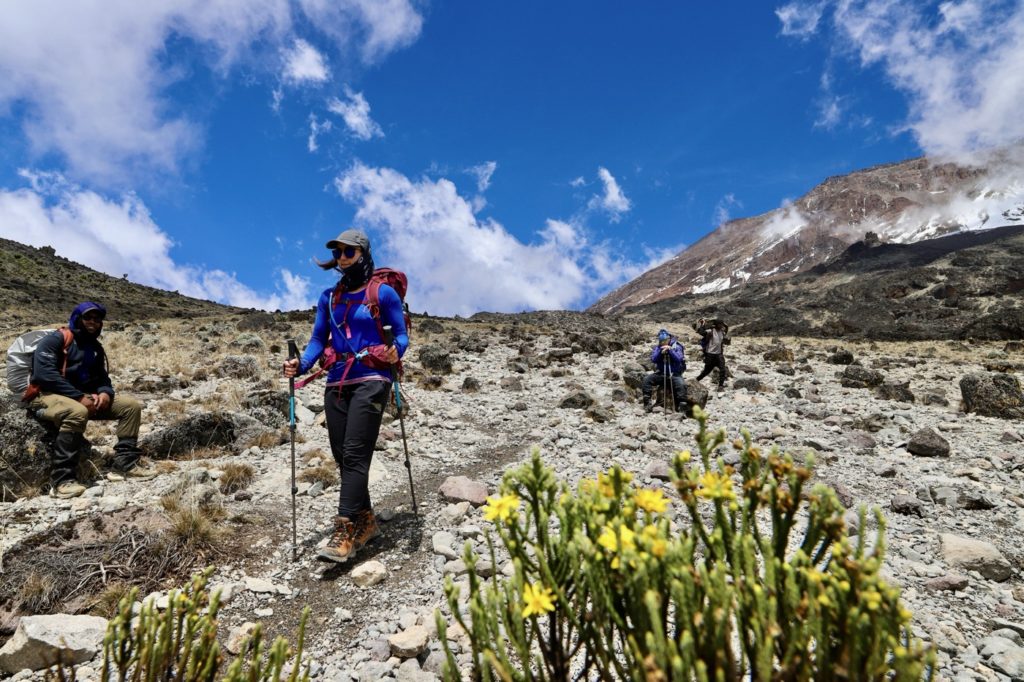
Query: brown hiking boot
[[366, 528], [342, 545]]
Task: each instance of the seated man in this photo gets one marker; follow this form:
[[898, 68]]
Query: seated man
[[669, 360], [74, 387]]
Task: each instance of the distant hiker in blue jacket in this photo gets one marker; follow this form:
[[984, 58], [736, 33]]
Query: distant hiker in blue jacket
[[358, 383], [74, 387], [669, 358]]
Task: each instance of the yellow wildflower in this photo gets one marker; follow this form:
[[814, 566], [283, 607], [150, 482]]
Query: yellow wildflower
[[651, 500], [537, 600], [715, 486], [613, 542], [684, 455], [500, 507]]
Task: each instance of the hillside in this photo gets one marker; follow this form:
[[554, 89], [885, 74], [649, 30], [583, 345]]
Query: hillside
[[38, 287]]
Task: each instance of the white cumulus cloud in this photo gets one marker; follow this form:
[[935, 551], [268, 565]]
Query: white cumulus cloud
[[303, 64], [460, 264], [316, 128], [93, 78], [355, 111], [118, 236], [957, 63], [613, 201], [723, 210]]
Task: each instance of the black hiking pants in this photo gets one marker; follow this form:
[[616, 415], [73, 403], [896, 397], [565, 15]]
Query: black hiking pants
[[354, 413], [654, 381], [711, 361]]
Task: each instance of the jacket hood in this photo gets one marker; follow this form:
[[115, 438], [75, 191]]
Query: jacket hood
[[82, 309]]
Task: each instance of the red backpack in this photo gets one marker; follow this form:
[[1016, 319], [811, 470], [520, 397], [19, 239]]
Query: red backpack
[[395, 279]]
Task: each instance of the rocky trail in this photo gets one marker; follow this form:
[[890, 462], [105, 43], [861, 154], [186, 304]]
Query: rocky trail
[[883, 421]]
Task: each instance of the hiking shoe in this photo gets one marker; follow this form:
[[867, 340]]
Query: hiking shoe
[[366, 528], [342, 545], [67, 489], [647, 406]]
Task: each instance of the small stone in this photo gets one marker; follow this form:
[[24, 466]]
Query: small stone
[[238, 637], [443, 543], [369, 573], [409, 642], [462, 489], [659, 470], [907, 504], [951, 582]]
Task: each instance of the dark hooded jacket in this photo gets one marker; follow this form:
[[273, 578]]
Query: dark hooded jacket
[[86, 371]]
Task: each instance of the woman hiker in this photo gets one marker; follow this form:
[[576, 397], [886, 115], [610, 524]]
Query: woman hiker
[[358, 383]]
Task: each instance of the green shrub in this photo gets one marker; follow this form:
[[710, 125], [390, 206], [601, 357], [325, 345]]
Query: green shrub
[[180, 643], [757, 580]]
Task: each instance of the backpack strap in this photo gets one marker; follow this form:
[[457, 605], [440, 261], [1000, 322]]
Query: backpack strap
[[33, 390]]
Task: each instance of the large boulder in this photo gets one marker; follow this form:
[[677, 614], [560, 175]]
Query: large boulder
[[39, 640], [25, 445], [842, 356], [205, 430], [436, 359], [927, 443], [696, 395], [975, 555], [778, 353], [993, 395]]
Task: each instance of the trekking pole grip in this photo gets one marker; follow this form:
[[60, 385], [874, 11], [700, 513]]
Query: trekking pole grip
[[293, 350], [389, 335]]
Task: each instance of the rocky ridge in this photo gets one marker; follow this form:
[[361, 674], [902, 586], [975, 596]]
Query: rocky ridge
[[883, 423], [901, 202]]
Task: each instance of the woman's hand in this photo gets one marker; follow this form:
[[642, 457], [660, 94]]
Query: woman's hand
[[290, 368], [391, 355]]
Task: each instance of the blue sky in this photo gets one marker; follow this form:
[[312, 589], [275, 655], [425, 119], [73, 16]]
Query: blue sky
[[508, 156]]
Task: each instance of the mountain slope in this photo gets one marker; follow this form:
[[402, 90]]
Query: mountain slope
[[38, 287], [963, 286], [901, 203]]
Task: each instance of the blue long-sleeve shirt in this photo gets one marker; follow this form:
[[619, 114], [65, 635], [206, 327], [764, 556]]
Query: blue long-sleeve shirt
[[676, 358], [354, 332]]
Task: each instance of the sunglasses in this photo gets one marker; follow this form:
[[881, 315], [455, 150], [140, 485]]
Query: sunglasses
[[93, 316], [347, 252]]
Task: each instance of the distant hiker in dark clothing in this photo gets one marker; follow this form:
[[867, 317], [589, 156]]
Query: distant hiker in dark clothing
[[358, 384], [713, 339], [669, 360], [74, 387]]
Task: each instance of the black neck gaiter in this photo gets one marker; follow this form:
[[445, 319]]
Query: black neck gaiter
[[357, 274]]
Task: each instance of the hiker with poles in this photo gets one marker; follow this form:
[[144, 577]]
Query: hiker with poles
[[70, 385], [669, 359], [714, 337], [349, 332]]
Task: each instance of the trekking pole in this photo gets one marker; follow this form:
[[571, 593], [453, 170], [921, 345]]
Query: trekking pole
[[389, 339], [293, 352]]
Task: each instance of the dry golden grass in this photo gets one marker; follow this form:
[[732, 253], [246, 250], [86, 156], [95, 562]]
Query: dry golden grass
[[327, 474], [165, 466], [236, 477], [106, 602], [37, 594], [196, 527], [315, 453]]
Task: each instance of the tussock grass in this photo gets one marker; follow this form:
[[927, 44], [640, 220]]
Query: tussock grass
[[325, 473], [236, 477], [37, 594], [315, 453], [106, 602], [195, 527]]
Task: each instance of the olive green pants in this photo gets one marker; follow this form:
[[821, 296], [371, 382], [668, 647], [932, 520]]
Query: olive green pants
[[71, 416]]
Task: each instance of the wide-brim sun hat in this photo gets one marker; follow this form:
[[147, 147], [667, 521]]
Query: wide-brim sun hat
[[350, 238]]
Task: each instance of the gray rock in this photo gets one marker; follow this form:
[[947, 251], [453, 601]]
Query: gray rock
[[659, 470], [841, 357], [993, 394], [369, 573], [894, 391], [577, 400], [855, 376], [462, 489], [945, 496], [951, 582], [907, 504], [195, 432], [975, 555], [927, 443], [975, 500], [39, 640], [410, 642], [778, 353], [1010, 662], [239, 637], [511, 384], [443, 544], [435, 359], [470, 385], [750, 383]]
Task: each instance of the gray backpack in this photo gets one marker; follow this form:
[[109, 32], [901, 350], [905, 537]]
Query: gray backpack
[[19, 359]]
